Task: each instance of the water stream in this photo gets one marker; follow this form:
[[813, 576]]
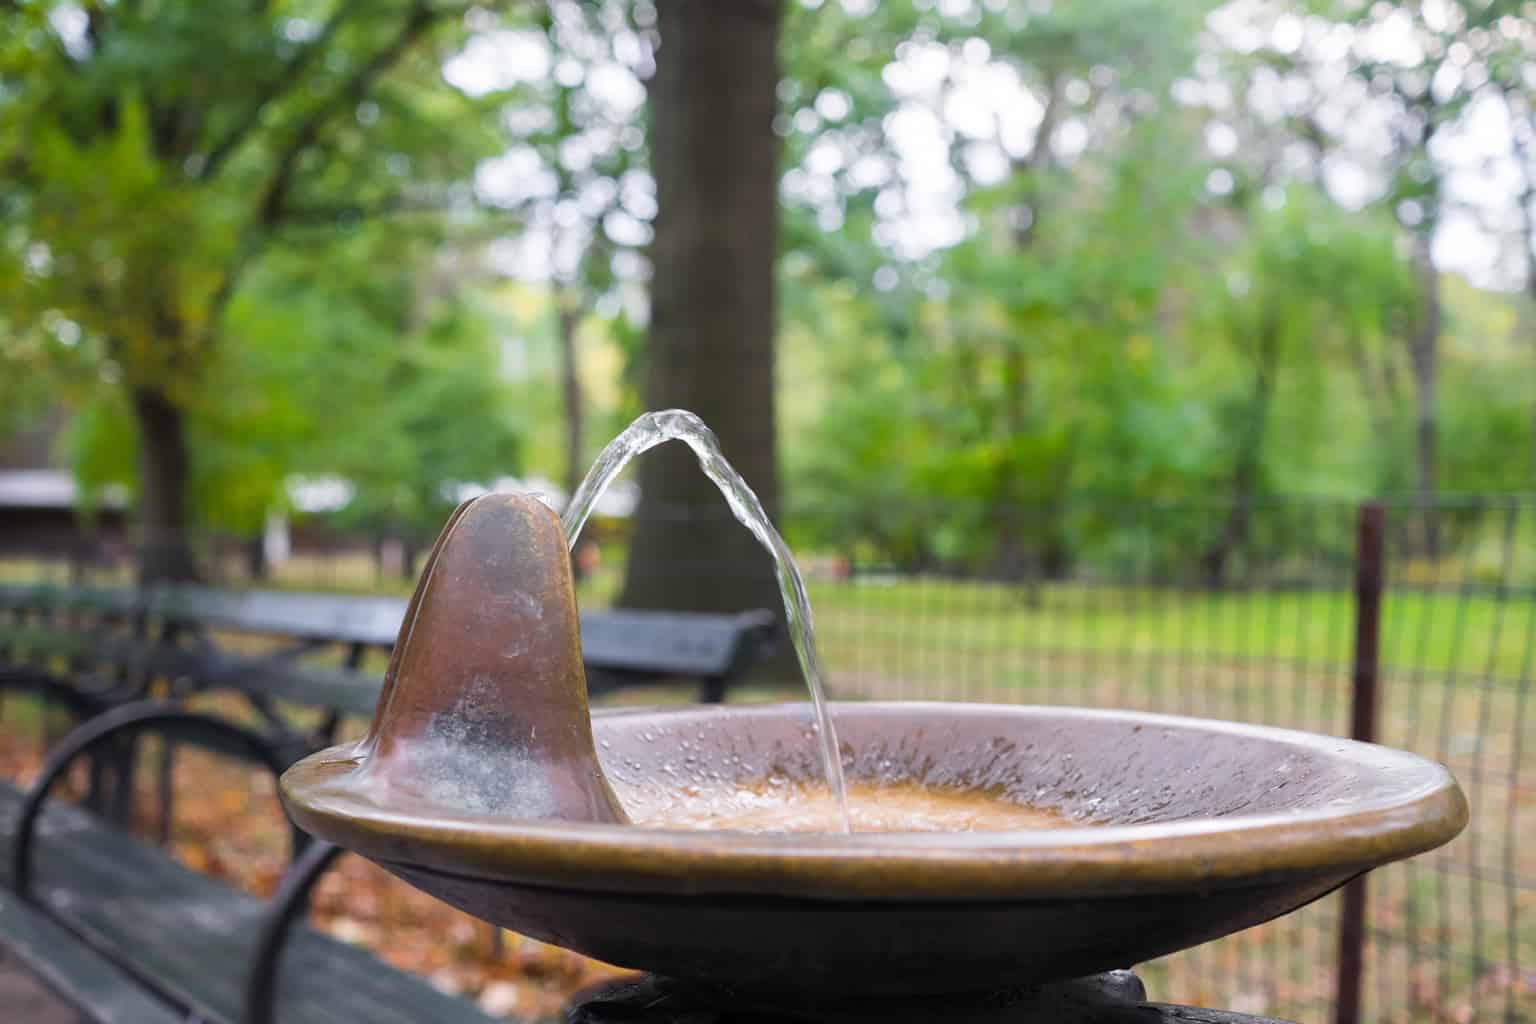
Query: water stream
[[655, 428]]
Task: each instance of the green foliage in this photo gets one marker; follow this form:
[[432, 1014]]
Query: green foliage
[[169, 165], [349, 368], [100, 443], [1325, 290], [1118, 326], [267, 215]]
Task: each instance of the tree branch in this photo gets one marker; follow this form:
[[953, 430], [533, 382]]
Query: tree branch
[[285, 80], [1526, 198], [95, 26], [351, 213], [351, 92], [272, 207]]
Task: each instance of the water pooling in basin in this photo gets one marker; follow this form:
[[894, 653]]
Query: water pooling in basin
[[777, 804], [655, 428]]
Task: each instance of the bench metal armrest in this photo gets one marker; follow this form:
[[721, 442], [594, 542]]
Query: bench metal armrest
[[754, 639], [224, 669], [113, 726], [50, 688], [757, 634], [289, 905]]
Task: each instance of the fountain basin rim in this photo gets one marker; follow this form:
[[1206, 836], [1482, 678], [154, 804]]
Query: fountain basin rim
[[1418, 807]]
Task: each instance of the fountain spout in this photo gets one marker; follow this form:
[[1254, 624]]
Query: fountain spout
[[485, 701]]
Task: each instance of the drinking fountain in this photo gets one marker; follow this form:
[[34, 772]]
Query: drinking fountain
[[485, 780]]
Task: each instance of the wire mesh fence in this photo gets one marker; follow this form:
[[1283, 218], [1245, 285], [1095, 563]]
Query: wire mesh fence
[[1243, 613]]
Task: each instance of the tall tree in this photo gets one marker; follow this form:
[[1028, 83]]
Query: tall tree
[[1508, 70], [156, 152], [1318, 288], [715, 157], [575, 176], [1422, 106]]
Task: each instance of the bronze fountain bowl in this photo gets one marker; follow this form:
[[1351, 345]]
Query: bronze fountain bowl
[[485, 781], [1201, 828]]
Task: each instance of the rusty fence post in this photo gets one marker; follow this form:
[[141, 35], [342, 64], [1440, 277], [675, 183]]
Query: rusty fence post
[[1364, 700]]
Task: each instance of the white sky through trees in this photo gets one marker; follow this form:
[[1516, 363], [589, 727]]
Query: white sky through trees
[[964, 94]]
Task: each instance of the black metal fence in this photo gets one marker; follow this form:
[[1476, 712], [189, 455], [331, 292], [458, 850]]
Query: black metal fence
[[1250, 614]]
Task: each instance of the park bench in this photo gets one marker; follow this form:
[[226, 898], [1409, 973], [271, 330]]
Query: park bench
[[124, 933], [107, 646], [122, 930], [88, 650]]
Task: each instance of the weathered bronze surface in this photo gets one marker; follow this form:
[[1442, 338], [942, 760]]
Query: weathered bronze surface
[[484, 702], [481, 783]]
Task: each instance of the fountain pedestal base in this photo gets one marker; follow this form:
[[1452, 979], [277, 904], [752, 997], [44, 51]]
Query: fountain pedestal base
[[1117, 997]]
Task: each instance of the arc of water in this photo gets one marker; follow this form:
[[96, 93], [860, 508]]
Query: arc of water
[[656, 428]]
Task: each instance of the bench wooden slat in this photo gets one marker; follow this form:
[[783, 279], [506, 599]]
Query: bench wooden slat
[[314, 686], [338, 618], [40, 642], [53, 597], [668, 643], [298, 682], [634, 644]]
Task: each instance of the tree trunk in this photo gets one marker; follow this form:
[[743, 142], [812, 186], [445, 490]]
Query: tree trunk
[[1530, 330], [410, 551], [256, 557], [1530, 292], [1523, 139], [164, 467], [1245, 474], [1377, 398], [1528, 236], [1012, 548], [711, 345], [568, 315], [1423, 351], [1012, 560]]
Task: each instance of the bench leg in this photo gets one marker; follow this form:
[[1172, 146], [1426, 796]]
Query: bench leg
[[126, 770], [166, 789], [109, 783], [712, 690], [498, 943], [104, 782], [96, 784], [49, 720], [289, 905]]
